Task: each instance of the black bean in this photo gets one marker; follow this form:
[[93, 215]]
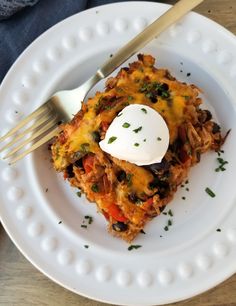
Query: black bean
[[132, 197], [165, 86], [154, 184], [208, 115], [78, 163], [121, 175], [215, 128], [205, 115], [153, 99], [119, 227], [69, 171], [162, 208], [96, 136]]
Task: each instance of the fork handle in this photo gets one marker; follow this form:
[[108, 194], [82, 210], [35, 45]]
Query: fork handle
[[154, 29]]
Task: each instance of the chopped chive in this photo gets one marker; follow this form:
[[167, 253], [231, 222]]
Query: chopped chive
[[130, 98], [78, 193], [83, 225], [142, 231], [132, 247], [210, 192], [95, 188], [169, 222], [112, 139], [84, 147], [170, 213], [138, 129], [119, 114], [129, 179], [159, 138], [46, 190], [59, 222], [218, 230], [144, 110], [183, 198], [182, 185], [186, 182], [145, 140], [136, 144], [188, 74], [164, 213], [166, 228], [86, 246], [90, 219], [126, 125], [138, 202], [187, 189], [186, 98]]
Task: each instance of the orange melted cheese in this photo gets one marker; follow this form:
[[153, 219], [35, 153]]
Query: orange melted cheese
[[127, 88]]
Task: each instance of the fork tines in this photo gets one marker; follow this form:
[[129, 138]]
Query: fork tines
[[41, 126]]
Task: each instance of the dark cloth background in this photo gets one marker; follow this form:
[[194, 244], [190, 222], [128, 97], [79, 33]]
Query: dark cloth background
[[22, 27]]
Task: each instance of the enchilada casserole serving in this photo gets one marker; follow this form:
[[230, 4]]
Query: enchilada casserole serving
[[126, 194]]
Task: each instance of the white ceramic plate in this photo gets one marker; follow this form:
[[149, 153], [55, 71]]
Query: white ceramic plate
[[192, 256]]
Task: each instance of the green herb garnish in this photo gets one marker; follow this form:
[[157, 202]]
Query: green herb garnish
[[134, 247], [138, 202], [210, 192], [83, 225], [119, 114], [159, 138], [186, 98], [129, 179], [79, 193], [126, 125], [89, 218], [130, 98], [166, 228], [84, 147], [96, 136], [222, 163], [218, 230], [142, 231], [144, 110], [138, 129], [95, 188], [86, 246], [145, 140], [183, 198], [136, 144], [112, 139], [170, 213], [169, 222]]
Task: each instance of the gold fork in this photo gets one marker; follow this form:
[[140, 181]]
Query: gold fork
[[64, 104]]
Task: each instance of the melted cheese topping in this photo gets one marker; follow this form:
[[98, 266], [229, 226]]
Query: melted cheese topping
[[128, 88]]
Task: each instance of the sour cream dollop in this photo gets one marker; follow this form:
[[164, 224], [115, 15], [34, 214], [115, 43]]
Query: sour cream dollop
[[138, 135]]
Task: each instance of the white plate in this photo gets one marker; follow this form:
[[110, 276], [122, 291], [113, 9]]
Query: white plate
[[192, 256]]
